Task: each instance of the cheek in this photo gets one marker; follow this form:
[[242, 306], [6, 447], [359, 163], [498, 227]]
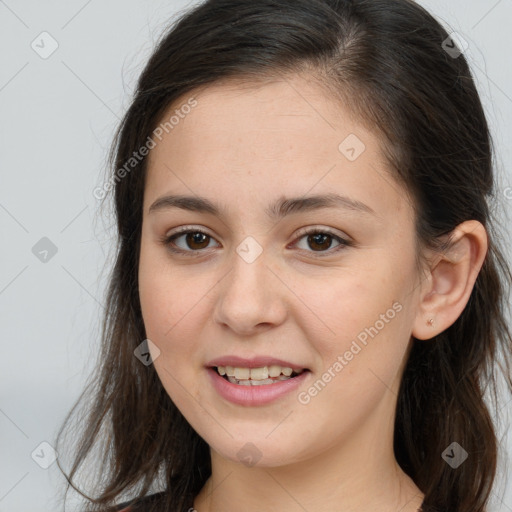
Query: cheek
[[166, 296], [168, 312], [174, 307], [340, 306], [359, 365], [357, 324]]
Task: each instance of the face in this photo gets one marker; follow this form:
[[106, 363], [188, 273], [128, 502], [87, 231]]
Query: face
[[326, 286]]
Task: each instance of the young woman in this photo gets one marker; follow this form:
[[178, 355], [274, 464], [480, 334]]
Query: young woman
[[308, 301]]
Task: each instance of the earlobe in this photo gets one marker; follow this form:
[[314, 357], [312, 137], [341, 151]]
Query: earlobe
[[451, 280]]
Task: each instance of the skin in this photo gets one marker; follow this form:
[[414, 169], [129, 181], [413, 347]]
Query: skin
[[245, 147]]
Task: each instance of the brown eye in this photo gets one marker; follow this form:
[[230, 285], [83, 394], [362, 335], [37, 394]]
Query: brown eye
[[196, 237], [194, 241], [320, 241]]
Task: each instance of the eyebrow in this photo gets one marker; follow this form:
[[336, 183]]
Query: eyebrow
[[277, 210]]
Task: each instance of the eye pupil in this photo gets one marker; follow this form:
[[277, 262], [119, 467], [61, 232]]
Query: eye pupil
[[196, 237], [319, 239]]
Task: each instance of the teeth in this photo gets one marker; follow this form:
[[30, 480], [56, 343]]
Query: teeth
[[255, 382], [262, 375], [261, 382], [274, 370], [259, 373], [242, 373]]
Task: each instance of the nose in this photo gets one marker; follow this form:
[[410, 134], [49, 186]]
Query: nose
[[251, 297]]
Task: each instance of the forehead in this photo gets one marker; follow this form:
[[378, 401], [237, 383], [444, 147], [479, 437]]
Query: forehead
[[285, 136], [278, 113]]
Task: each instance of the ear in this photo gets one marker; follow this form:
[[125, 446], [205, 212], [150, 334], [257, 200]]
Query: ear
[[450, 280]]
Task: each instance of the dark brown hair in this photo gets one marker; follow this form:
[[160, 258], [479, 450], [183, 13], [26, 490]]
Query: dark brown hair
[[388, 61]]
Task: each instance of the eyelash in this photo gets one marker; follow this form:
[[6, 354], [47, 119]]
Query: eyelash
[[167, 241]]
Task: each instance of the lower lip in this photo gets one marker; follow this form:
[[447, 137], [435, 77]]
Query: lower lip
[[254, 395]]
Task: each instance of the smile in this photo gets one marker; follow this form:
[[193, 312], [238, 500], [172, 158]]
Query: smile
[[253, 392], [257, 376]]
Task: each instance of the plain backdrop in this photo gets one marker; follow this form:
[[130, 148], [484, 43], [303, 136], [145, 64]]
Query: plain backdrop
[[66, 77]]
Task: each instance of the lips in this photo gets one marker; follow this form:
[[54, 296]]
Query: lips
[[255, 395]]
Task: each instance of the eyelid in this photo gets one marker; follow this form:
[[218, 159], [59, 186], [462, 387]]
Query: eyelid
[[187, 228], [321, 229]]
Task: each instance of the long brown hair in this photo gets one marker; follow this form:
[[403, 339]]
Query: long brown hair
[[395, 66]]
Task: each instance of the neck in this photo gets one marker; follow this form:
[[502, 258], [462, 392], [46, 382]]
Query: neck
[[360, 477]]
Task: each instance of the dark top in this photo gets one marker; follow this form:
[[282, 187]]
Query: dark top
[[146, 503]]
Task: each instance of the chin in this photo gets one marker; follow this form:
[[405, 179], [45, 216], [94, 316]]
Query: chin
[[258, 452]]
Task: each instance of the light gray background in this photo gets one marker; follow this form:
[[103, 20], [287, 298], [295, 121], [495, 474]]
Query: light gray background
[[57, 120]]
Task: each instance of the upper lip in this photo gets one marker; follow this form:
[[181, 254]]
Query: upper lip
[[254, 362]]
